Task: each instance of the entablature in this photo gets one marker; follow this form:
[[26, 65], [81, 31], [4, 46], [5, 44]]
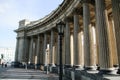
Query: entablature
[[66, 9]]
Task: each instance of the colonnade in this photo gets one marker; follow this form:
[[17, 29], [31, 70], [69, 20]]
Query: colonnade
[[91, 40]]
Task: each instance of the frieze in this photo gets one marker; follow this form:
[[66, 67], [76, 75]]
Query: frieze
[[20, 34]]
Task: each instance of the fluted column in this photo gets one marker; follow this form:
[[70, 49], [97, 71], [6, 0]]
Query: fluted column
[[17, 47], [53, 56], [19, 55], [63, 50], [41, 50], [89, 62], [56, 51], [96, 51], [71, 49], [116, 17], [105, 60], [112, 40], [26, 50], [52, 49], [31, 50], [81, 48], [21, 49], [57, 58], [93, 47], [67, 44], [38, 50], [34, 59], [45, 47], [75, 33]]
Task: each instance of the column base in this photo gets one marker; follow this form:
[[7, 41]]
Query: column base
[[116, 66], [78, 67], [110, 71], [91, 68], [52, 65], [68, 66], [118, 71], [45, 64]]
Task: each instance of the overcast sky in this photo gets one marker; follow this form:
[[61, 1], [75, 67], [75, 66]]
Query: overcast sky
[[11, 11]]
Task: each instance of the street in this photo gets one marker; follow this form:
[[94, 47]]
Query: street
[[25, 74]]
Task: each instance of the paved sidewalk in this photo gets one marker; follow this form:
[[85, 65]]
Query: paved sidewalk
[[30, 74]]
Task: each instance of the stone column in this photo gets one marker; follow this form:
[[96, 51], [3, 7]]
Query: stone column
[[116, 17], [34, 60], [45, 47], [93, 47], [75, 35], [26, 50], [38, 50], [63, 50], [31, 50], [81, 48], [71, 49], [105, 61], [58, 50], [67, 44], [19, 55], [17, 47], [96, 44], [41, 50], [27, 42], [21, 49], [51, 49], [53, 56], [112, 40], [89, 62]]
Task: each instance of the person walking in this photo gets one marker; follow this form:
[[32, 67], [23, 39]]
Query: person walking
[[5, 65]]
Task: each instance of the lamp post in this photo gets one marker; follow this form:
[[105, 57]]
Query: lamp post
[[60, 27]]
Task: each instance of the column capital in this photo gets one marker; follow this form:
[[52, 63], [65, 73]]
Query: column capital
[[17, 38], [21, 37], [68, 19], [31, 36], [45, 33], [77, 11], [52, 29], [38, 35], [85, 1]]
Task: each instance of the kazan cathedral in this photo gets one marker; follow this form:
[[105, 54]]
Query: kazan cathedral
[[87, 48]]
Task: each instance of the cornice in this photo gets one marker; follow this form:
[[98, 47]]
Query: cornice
[[49, 21], [20, 29], [50, 17]]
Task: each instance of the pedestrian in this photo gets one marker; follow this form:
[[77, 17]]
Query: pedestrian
[[5, 65]]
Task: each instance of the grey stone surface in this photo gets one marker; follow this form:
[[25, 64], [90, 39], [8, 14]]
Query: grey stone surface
[[84, 75], [17, 73]]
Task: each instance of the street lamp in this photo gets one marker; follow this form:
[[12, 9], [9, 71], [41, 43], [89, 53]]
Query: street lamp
[[60, 27]]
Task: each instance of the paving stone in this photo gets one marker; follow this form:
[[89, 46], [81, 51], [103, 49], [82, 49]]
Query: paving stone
[[30, 74]]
